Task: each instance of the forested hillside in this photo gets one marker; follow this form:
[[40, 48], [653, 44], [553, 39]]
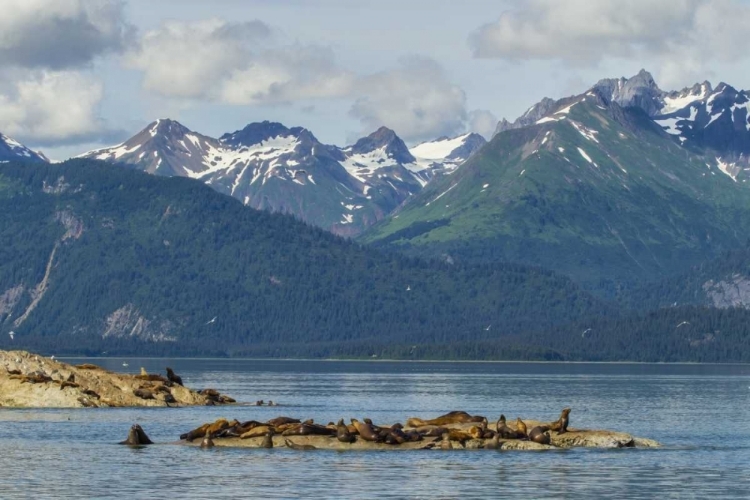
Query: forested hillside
[[98, 259]]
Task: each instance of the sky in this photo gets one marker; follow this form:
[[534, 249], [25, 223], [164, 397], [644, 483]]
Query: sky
[[80, 74]]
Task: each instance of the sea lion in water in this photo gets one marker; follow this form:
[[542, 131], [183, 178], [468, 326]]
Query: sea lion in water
[[173, 377], [207, 441], [295, 446], [343, 434], [494, 443], [561, 425], [137, 437], [538, 434], [267, 440]]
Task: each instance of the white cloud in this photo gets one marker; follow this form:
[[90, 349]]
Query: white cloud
[[60, 34], [685, 36], [234, 63], [482, 122], [415, 99], [47, 107]]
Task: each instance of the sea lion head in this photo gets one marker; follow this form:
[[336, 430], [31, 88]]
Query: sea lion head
[[502, 418], [367, 421], [566, 412]]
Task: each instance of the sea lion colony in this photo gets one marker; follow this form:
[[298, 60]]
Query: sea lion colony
[[449, 431]]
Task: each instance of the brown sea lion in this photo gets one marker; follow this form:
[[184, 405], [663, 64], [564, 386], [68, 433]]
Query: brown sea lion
[[152, 377], [446, 444], [521, 430], [366, 431], [207, 441], [343, 434], [137, 437], [454, 417], [144, 394], [282, 420], [267, 440], [195, 433], [91, 393], [432, 431], [503, 431], [173, 377], [561, 425], [13, 372], [89, 366], [65, 384], [260, 430], [295, 446], [539, 434], [71, 378], [494, 443]]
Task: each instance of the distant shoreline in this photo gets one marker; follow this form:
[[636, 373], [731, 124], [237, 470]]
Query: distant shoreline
[[384, 360]]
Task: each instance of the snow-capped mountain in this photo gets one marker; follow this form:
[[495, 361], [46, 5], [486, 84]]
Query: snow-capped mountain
[[444, 155], [11, 149], [272, 167]]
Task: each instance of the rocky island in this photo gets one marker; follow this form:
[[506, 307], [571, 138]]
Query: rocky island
[[453, 431], [31, 381]]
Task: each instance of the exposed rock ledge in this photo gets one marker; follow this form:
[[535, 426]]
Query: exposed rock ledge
[[31, 381]]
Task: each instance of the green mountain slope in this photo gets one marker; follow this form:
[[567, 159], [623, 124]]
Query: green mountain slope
[[595, 191], [98, 259]]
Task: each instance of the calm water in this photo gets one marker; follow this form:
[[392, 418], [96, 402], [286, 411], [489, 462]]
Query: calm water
[[700, 414]]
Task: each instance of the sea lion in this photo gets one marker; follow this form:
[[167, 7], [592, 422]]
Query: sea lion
[[195, 433], [173, 377], [271, 403], [366, 431], [494, 443], [446, 444], [91, 393], [65, 384], [295, 446], [137, 437], [521, 430], [267, 440], [207, 441], [259, 402], [260, 430], [502, 429], [282, 420], [561, 425], [86, 402], [71, 378], [538, 434], [343, 434], [432, 431], [13, 372], [88, 366], [454, 417], [144, 394]]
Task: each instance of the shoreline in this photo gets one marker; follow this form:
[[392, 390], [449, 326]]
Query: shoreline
[[389, 360]]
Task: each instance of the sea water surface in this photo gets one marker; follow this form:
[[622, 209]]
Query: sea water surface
[[699, 413]]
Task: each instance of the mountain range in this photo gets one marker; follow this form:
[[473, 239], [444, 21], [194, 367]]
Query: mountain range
[[615, 186], [271, 167]]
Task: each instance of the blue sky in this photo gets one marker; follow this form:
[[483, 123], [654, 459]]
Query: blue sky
[[79, 74]]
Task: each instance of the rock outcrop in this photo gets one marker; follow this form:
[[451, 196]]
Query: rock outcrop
[[31, 381]]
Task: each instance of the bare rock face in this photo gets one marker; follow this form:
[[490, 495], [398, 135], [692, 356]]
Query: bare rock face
[[31, 381], [733, 291]]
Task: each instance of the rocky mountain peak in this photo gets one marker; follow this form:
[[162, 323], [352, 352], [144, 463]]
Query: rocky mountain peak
[[11, 149], [386, 139], [258, 132]]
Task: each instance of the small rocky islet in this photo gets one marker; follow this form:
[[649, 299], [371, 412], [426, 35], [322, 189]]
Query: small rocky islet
[[455, 430], [32, 381]]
